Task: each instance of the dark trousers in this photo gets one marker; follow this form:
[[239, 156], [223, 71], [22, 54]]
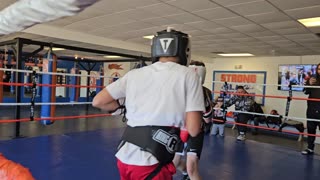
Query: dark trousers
[[312, 126], [243, 119], [257, 120]]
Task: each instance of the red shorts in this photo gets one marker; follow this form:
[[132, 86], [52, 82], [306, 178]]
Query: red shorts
[[132, 172]]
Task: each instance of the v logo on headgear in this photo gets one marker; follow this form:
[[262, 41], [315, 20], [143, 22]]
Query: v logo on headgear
[[165, 43]]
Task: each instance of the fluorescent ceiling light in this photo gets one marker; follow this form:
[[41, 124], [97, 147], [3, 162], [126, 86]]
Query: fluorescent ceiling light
[[235, 54], [112, 57], [310, 22], [148, 37], [55, 49]]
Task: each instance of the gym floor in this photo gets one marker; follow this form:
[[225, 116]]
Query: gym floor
[[84, 149]]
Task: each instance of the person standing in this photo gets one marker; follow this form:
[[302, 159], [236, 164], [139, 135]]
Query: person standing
[[160, 99], [244, 103], [193, 145], [313, 109]]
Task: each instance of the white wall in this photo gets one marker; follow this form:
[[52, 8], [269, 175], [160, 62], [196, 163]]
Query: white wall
[[270, 65]]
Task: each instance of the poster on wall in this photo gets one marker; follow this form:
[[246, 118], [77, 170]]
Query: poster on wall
[[114, 70], [251, 80]]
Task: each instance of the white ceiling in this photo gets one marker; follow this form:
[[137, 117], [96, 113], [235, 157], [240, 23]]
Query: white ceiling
[[260, 27]]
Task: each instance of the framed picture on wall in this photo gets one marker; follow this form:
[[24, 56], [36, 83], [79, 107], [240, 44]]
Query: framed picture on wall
[[251, 80]]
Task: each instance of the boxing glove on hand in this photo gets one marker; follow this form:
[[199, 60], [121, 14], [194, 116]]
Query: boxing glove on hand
[[184, 135], [120, 109]]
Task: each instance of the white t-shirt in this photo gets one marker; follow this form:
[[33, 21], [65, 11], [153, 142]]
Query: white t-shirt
[[159, 94]]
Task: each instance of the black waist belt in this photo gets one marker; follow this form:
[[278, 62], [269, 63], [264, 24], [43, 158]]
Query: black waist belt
[[161, 141]]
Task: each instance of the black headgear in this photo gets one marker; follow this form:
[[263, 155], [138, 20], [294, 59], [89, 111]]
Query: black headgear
[[171, 43]]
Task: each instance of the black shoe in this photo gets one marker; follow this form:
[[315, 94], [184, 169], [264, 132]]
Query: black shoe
[[186, 177], [307, 152]]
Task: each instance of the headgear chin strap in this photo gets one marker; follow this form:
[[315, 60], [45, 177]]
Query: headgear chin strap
[[200, 70], [171, 43]]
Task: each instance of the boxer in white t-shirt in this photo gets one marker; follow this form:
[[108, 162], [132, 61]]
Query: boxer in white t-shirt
[[160, 99]]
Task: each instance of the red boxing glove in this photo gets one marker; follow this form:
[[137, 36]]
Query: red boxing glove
[[184, 135]]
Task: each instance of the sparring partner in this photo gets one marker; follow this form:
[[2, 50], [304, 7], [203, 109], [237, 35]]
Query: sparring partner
[[160, 99], [193, 147], [313, 109], [242, 103]]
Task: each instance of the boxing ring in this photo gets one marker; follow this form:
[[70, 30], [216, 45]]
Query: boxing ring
[[82, 141], [90, 155]]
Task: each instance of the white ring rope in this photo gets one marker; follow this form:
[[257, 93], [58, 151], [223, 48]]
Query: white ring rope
[[48, 103], [258, 84], [53, 73]]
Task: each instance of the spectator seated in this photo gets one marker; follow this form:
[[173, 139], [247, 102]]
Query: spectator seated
[[275, 122]]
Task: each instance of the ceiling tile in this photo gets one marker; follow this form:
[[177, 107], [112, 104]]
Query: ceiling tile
[[209, 37], [192, 5], [215, 13], [271, 38], [179, 27], [140, 40], [261, 34], [215, 25], [91, 12], [269, 17], [233, 21], [308, 12], [110, 7], [246, 39], [199, 43], [303, 36], [159, 21], [223, 41], [288, 45], [60, 22], [255, 43], [248, 28], [103, 21], [315, 29], [293, 4], [138, 3], [291, 31], [307, 40], [312, 45], [203, 25], [80, 28], [6, 3], [162, 9], [118, 30], [233, 35], [184, 18], [231, 2], [135, 14], [196, 33], [256, 7], [219, 30], [263, 47], [281, 42], [232, 44], [283, 25]]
